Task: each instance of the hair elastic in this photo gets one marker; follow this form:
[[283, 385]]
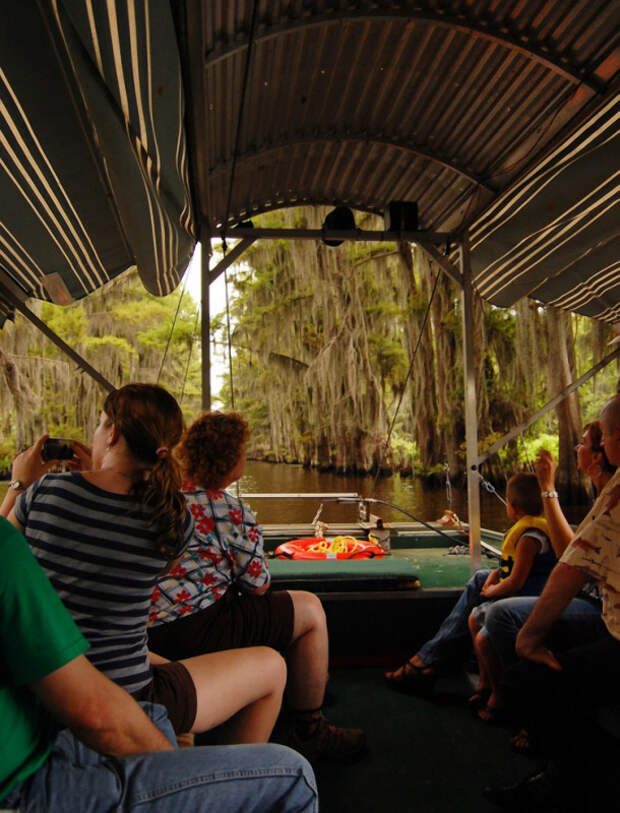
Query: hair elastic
[[162, 451]]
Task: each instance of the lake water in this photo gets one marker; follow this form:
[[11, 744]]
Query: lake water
[[407, 492]]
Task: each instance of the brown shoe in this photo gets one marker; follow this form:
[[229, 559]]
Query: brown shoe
[[330, 742]]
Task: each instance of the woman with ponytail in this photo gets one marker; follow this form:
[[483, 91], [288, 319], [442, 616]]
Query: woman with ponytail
[[104, 532]]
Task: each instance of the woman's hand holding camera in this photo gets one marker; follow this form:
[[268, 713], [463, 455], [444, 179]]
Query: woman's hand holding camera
[[82, 457], [29, 465]]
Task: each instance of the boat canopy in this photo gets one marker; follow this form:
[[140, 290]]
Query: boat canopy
[[93, 169], [129, 129]]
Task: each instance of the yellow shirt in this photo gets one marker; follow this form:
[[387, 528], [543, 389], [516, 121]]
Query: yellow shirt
[[595, 550]]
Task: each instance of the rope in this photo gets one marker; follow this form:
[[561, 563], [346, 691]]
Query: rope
[[487, 486], [407, 377], [174, 322], [240, 118], [448, 485], [529, 463], [189, 356], [433, 528], [230, 367]]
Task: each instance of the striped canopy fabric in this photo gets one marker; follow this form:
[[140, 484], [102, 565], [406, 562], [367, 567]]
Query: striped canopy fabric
[[500, 117], [554, 236], [93, 162]]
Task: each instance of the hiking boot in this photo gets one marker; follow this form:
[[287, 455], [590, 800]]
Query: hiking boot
[[329, 742]]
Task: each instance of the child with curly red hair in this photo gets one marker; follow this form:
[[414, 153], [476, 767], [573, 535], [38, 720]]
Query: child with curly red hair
[[218, 597]]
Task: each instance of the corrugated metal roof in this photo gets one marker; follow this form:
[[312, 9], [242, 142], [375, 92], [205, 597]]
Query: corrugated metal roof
[[446, 103], [453, 104]]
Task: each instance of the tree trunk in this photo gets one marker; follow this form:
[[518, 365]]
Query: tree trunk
[[561, 367]]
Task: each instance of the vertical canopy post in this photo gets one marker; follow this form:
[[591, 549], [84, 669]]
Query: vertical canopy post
[[205, 323], [471, 416]]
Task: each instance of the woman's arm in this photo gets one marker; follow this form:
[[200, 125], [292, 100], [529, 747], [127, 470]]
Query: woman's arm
[[156, 660], [560, 532], [527, 549], [27, 467], [562, 586]]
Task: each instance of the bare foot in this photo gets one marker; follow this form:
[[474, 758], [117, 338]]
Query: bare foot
[[492, 712], [521, 742]]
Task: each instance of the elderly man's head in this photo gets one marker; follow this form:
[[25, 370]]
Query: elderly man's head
[[610, 424]]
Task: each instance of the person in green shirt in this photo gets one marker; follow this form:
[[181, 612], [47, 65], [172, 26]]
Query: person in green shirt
[[70, 734]]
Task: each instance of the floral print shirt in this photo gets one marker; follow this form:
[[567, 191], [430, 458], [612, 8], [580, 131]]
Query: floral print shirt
[[226, 548], [596, 551]]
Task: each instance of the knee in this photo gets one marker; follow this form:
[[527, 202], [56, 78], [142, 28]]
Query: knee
[[274, 665], [483, 647], [294, 764], [500, 621], [478, 579], [309, 612]]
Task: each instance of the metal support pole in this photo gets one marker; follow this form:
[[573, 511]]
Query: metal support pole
[[471, 417], [14, 301], [519, 430], [355, 235], [205, 330], [233, 255]]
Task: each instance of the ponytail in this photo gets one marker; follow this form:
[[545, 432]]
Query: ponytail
[[151, 422]]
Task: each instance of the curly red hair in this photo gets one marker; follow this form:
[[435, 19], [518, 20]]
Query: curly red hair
[[212, 447]]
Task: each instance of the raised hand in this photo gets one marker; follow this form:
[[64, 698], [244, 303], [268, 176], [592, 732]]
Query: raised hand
[[545, 467]]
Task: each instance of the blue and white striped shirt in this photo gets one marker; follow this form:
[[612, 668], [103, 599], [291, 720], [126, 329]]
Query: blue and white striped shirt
[[99, 554]]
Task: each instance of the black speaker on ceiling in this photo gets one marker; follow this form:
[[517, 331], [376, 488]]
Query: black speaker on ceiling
[[340, 219], [401, 215]]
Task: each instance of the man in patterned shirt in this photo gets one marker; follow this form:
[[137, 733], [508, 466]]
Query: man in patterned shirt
[[557, 694]]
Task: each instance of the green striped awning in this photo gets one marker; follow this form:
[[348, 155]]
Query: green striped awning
[[93, 161], [554, 236]]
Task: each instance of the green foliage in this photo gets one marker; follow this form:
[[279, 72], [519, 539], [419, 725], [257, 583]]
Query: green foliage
[[544, 440], [110, 344], [121, 330]]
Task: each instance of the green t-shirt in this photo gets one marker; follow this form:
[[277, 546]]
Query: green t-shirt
[[37, 636]]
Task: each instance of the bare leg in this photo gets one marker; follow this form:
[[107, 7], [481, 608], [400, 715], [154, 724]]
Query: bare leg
[[307, 655], [243, 686], [485, 652], [474, 628]]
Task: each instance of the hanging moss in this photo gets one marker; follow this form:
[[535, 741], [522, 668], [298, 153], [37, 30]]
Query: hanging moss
[[120, 330]]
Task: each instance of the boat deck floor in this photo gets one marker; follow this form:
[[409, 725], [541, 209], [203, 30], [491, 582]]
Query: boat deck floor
[[424, 757]]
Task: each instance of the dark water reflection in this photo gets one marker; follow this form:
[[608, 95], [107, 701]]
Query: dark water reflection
[[408, 492]]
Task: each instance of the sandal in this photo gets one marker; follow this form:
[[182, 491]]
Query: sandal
[[411, 679], [479, 699]]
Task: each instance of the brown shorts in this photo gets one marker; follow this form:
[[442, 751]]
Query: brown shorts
[[234, 621], [173, 687]]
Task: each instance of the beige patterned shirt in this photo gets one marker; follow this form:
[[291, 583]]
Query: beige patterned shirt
[[595, 550]]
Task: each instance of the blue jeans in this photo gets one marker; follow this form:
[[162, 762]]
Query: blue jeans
[[579, 624], [454, 630], [248, 778]]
